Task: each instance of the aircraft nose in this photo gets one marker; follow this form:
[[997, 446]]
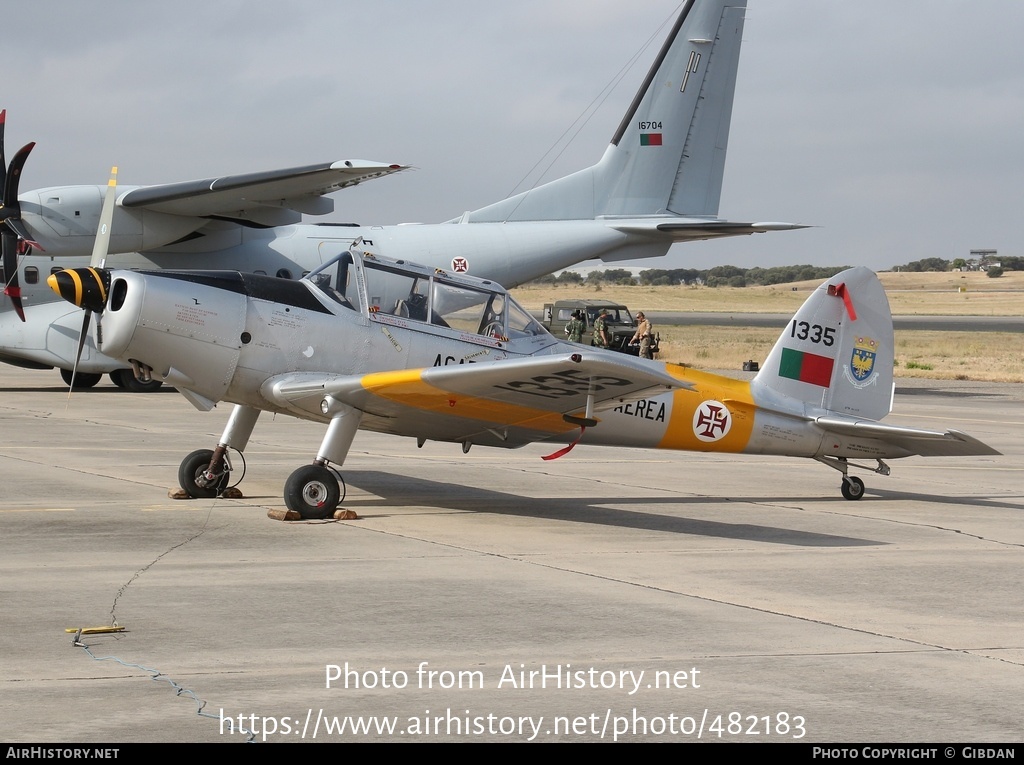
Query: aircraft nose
[[85, 287]]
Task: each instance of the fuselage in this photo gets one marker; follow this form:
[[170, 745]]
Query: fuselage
[[380, 327], [510, 254]]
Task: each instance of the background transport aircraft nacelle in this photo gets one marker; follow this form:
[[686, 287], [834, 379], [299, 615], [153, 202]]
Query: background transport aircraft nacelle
[[658, 182], [366, 342]]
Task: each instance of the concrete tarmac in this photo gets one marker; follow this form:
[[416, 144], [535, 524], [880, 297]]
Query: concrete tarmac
[[608, 594]]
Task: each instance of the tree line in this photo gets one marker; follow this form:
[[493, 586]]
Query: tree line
[[734, 276], [719, 276], [938, 264]]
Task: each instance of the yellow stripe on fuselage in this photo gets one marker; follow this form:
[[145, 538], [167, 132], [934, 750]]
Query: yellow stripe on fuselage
[[736, 396], [406, 387]]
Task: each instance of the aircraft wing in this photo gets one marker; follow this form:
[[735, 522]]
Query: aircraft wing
[[695, 228], [273, 198], [499, 403], [927, 443]]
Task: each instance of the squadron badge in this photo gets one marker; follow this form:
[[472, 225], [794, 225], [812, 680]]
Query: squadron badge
[[861, 371]]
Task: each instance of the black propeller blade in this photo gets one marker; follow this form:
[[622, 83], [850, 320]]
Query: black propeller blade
[[16, 237], [10, 260], [3, 158]]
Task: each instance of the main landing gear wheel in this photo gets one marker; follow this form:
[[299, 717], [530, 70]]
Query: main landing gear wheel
[[191, 471], [853, 487], [83, 380], [313, 492], [125, 379]]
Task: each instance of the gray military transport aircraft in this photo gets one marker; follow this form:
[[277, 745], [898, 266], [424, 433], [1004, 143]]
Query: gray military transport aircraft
[[658, 183], [365, 342]]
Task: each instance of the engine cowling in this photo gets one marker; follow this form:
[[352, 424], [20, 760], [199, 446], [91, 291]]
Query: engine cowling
[[188, 332], [64, 221], [185, 329]]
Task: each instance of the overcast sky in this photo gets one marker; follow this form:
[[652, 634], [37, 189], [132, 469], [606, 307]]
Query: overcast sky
[[895, 128]]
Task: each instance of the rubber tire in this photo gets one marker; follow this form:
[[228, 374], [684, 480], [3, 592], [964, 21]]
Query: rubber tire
[[83, 380], [125, 379], [852, 488], [190, 468], [313, 492]]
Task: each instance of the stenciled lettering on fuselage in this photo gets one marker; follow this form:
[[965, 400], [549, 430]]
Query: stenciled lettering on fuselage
[[391, 338], [470, 358], [645, 409]]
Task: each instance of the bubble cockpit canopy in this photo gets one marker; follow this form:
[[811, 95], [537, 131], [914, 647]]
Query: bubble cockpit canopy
[[407, 291]]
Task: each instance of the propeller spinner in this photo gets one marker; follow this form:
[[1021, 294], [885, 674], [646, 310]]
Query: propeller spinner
[[85, 287]]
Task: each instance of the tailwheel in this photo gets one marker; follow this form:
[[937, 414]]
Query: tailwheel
[[83, 380], [313, 492], [193, 478], [852, 487]]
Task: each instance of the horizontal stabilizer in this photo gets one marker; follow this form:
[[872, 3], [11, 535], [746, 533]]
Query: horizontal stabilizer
[[927, 443], [685, 230]]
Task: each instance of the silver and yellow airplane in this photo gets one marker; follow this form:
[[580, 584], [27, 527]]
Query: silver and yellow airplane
[[370, 343], [658, 182]]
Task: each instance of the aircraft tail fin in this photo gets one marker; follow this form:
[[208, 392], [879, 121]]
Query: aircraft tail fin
[[836, 354], [668, 154]]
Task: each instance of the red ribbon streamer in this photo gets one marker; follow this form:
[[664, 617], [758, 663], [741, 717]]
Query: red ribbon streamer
[[566, 449], [841, 291]]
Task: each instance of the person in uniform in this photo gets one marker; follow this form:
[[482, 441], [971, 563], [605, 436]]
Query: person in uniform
[[601, 337], [574, 328], [644, 335]]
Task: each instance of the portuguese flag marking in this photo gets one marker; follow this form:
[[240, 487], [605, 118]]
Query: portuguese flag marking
[[806, 367]]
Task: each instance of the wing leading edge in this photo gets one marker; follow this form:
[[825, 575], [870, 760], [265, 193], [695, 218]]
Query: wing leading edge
[[272, 198]]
